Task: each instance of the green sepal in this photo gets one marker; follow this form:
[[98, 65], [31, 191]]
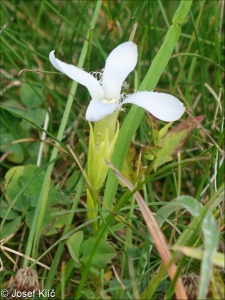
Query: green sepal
[[97, 154]]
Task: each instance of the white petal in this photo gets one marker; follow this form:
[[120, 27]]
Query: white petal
[[97, 110], [78, 75], [163, 106], [120, 62]]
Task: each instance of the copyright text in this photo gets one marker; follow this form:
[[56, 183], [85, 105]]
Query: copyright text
[[28, 294]]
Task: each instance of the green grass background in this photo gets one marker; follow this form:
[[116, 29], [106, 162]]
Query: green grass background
[[30, 87]]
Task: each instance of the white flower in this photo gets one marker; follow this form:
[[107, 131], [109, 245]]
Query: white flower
[[106, 92]]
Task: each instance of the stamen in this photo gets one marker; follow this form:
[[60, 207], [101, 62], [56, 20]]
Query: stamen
[[125, 85], [101, 75], [97, 75], [123, 96]]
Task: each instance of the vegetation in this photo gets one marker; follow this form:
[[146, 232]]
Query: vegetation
[[155, 228]]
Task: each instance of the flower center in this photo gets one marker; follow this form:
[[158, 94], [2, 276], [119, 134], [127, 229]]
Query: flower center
[[109, 101]]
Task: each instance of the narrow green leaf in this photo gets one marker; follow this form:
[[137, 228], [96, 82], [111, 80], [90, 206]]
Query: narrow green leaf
[[218, 258], [157, 235], [181, 13], [210, 232]]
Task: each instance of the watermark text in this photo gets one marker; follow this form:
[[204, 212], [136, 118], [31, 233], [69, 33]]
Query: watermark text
[[46, 293]]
